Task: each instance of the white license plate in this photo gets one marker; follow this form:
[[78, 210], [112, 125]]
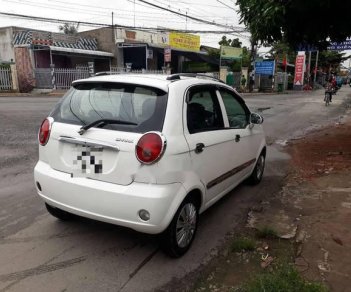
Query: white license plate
[[88, 160]]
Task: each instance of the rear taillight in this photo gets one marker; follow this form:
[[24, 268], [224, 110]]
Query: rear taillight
[[44, 131], [150, 148]]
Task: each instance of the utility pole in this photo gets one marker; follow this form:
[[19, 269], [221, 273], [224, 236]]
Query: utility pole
[[113, 28], [249, 84], [315, 69], [309, 67], [134, 13]]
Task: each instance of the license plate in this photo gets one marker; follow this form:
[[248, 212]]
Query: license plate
[[88, 160]]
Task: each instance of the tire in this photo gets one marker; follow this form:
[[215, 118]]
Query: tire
[[188, 213], [257, 174], [327, 98], [58, 213]]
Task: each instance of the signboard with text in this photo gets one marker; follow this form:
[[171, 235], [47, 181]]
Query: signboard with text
[[184, 41], [264, 67], [231, 53], [346, 45], [299, 69]]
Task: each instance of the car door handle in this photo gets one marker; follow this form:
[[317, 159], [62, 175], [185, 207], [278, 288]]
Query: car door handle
[[199, 147], [237, 138]]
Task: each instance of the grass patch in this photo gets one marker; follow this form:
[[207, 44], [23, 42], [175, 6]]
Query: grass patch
[[267, 232], [242, 244], [283, 278]]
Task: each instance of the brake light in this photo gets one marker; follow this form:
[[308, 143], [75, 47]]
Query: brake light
[[44, 131], [150, 148]]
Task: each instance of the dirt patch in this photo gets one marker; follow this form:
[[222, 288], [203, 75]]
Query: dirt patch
[[310, 217], [322, 152], [321, 188]]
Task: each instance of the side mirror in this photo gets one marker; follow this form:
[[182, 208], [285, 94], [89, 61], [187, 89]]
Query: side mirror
[[256, 119]]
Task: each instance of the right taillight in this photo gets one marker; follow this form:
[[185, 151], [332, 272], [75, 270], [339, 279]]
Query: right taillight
[[150, 148], [44, 131]]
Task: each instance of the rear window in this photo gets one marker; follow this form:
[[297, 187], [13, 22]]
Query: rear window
[[89, 102]]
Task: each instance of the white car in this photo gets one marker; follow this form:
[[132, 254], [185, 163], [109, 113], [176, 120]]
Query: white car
[[147, 152]]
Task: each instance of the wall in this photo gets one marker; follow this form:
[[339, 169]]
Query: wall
[[24, 68], [7, 53], [105, 40]]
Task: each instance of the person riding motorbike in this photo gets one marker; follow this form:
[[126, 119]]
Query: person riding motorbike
[[329, 88]]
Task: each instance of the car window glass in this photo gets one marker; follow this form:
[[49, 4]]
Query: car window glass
[[203, 110], [238, 115], [137, 104]]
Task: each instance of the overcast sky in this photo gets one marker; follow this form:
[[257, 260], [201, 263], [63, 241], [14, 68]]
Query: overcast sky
[[127, 12]]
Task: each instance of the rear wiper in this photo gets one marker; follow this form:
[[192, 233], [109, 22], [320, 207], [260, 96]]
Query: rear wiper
[[103, 122]]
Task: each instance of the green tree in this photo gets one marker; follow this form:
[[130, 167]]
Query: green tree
[[296, 22], [69, 29], [236, 43], [331, 60]]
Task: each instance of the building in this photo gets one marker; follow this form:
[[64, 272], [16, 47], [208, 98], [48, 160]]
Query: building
[[36, 52], [154, 51], [48, 60]]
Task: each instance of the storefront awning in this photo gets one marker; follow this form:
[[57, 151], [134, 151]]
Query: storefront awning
[[81, 52]]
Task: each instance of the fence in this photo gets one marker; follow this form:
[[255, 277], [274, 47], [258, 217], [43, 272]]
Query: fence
[[63, 77], [5, 79], [122, 70]]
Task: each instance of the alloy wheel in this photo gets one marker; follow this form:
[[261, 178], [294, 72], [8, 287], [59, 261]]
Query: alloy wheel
[[186, 225]]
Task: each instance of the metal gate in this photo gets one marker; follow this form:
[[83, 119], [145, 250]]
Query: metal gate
[[43, 78], [62, 78], [5, 79]]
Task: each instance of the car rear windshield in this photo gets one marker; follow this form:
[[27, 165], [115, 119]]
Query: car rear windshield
[[89, 102]]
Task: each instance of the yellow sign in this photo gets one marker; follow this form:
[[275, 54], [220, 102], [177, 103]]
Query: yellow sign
[[184, 41], [231, 53]]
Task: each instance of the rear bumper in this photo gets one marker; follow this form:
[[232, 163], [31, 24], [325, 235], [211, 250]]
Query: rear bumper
[[107, 202]]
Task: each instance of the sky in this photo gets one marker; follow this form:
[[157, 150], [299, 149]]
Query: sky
[[129, 12]]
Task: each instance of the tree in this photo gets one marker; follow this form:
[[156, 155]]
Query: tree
[[331, 60], [296, 22], [282, 51], [70, 29], [236, 43]]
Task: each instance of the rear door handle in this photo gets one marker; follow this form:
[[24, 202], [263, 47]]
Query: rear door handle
[[237, 138], [199, 147]]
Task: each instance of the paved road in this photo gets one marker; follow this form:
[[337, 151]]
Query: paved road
[[39, 253]]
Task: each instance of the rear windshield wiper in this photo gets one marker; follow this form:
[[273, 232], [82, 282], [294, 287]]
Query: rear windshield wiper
[[103, 122]]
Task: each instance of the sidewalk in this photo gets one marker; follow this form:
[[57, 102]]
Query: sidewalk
[[36, 93]]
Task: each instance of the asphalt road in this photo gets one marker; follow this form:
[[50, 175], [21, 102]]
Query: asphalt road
[[39, 253]]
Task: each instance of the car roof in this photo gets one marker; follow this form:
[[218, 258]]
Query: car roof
[[158, 81], [154, 80]]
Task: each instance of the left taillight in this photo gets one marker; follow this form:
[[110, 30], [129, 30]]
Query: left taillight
[[44, 131]]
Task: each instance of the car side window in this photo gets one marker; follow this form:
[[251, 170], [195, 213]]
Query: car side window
[[203, 110], [238, 114]]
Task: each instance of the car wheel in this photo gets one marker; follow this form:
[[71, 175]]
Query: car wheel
[[257, 174], [58, 213], [179, 235]]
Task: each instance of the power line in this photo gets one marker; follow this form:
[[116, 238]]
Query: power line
[[96, 24], [226, 5], [192, 17]]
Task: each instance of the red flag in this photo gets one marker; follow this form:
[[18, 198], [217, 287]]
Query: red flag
[[285, 62]]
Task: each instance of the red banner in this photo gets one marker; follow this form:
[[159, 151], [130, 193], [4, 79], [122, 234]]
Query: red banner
[[299, 69]]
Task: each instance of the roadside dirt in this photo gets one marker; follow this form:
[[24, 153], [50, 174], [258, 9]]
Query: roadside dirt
[[311, 219], [321, 188]]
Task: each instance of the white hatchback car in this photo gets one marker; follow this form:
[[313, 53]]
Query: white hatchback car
[[147, 152]]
